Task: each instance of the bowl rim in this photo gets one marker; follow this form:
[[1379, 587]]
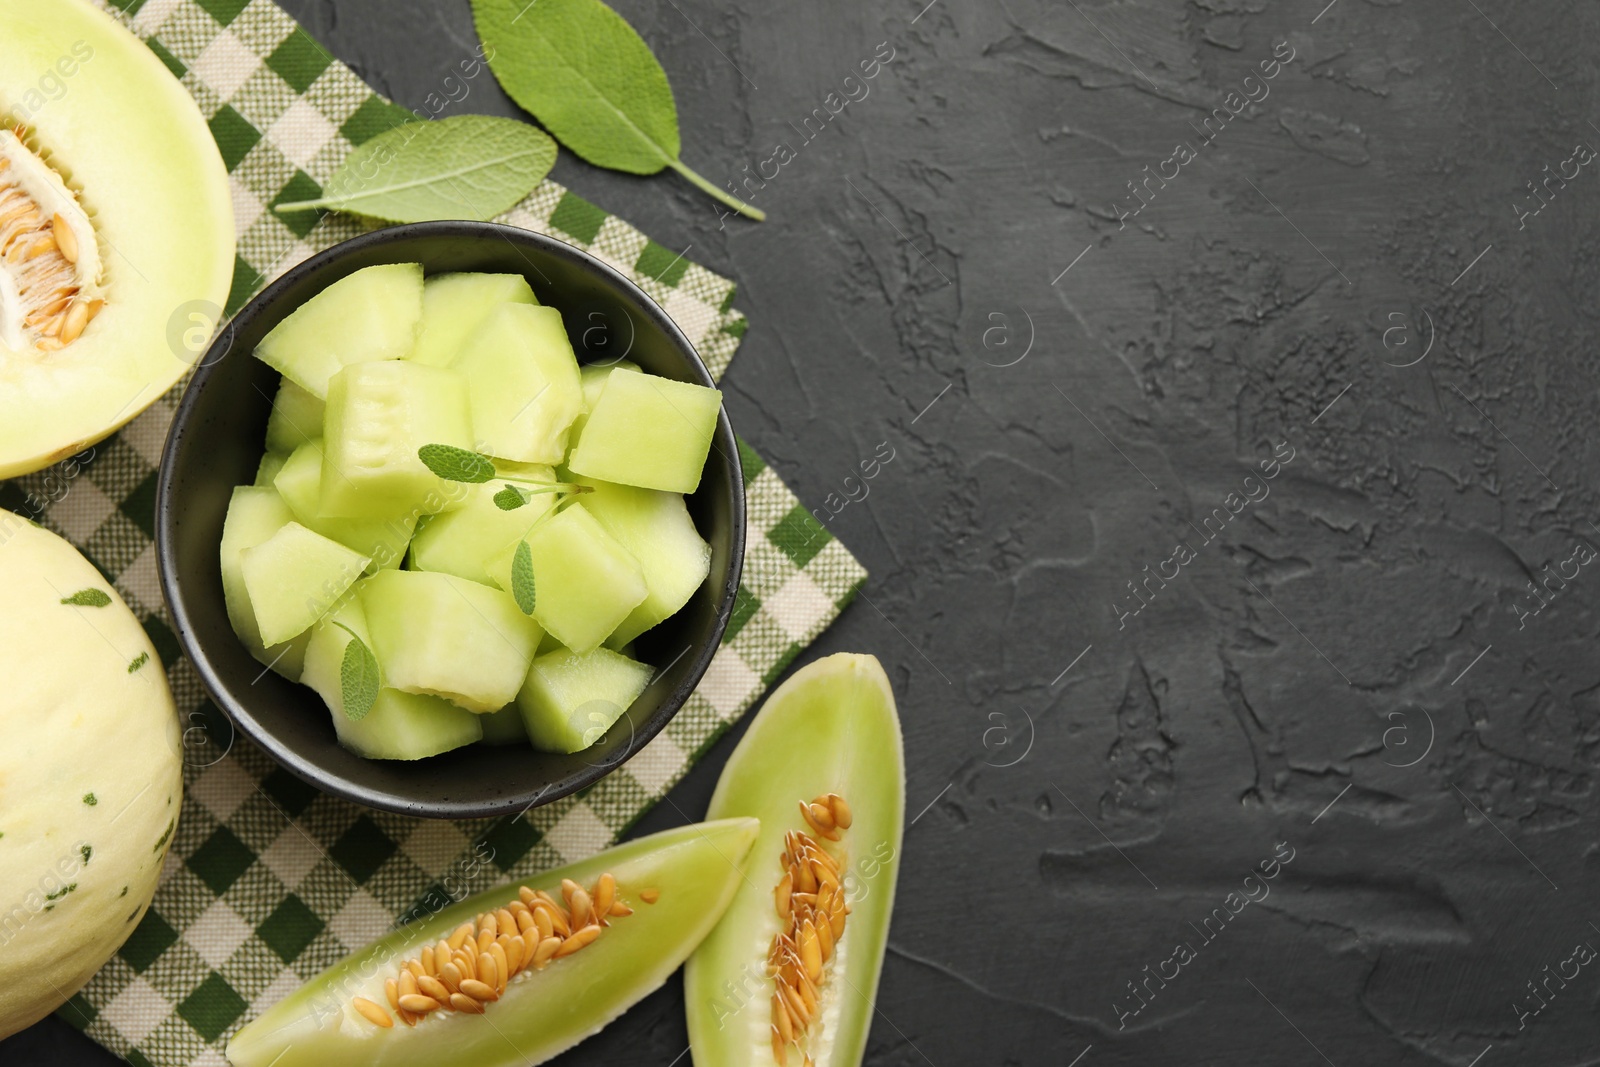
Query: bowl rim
[[255, 728]]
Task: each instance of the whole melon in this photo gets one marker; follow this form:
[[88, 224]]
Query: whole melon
[[90, 771]]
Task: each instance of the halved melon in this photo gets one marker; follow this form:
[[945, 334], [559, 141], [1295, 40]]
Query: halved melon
[[116, 230], [671, 888], [790, 974]]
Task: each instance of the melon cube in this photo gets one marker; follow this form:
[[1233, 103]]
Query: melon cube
[[593, 379], [462, 541], [523, 382], [454, 305], [255, 513], [503, 727], [372, 314], [295, 577], [444, 636], [299, 482], [648, 431], [399, 726], [379, 415], [656, 529], [296, 418], [569, 700], [267, 470], [585, 582]]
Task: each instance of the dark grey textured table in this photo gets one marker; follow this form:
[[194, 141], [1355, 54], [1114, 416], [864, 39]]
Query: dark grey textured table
[[1234, 568]]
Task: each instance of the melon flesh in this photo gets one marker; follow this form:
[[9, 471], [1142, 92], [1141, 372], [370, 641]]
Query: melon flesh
[[593, 379], [255, 513], [267, 470], [831, 728], [296, 418], [295, 577], [454, 305], [90, 772], [570, 701], [299, 482], [695, 869], [656, 529], [152, 186], [379, 415], [523, 382], [399, 726], [367, 316], [462, 541], [648, 431], [503, 727], [585, 582], [440, 635]]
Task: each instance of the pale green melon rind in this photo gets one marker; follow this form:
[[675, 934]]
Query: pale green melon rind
[[132, 139], [697, 870], [84, 708], [832, 727]]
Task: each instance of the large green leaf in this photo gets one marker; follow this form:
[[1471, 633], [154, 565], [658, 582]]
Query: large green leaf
[[466, 167], [580, 69]]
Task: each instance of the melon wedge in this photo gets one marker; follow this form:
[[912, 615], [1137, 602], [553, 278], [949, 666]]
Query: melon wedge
[[831, 728], [695, 869], [145, 209]]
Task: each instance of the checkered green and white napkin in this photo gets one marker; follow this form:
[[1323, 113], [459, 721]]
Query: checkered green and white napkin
[[269, 881]]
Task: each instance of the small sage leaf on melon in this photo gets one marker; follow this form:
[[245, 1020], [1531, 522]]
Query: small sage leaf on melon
[[466, 167], [522, 577], [456, 464], [138, 661], [584, 73], [88, 598], [358, 677], [509, 499]]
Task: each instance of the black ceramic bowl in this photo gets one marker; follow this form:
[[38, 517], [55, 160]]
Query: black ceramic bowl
[[216, 443]]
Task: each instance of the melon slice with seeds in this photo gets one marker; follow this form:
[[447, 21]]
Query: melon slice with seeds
[[116, 231], [789, 975], [667, 889]]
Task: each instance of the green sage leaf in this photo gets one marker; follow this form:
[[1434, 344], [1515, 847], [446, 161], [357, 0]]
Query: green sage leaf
[[456, 464], [509, 499], [88, 598], [358, 677], [465, 167], [522, 577], [584, 73]]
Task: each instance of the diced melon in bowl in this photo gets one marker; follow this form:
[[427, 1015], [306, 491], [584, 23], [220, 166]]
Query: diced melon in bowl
[[372, 314], [503, 727], [656, 529], [593, 378], [267, 470], [295, 577], [462, 541], [569, 700], [523, 382], [648, 431], [399, 726], [299, 482], [585, 582], [440, 635], [454, 305], [255, 513], [296, 418], [379, 415]]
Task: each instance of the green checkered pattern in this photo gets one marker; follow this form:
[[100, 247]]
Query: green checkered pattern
[[269, 881]]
